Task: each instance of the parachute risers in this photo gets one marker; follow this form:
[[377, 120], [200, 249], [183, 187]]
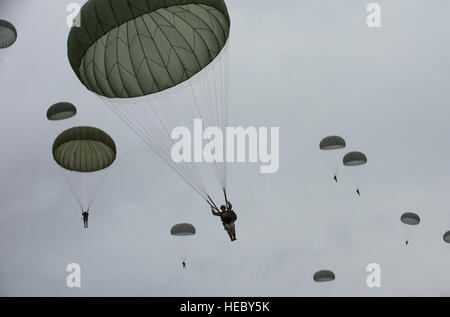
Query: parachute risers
[[160, 66], [84, 155]]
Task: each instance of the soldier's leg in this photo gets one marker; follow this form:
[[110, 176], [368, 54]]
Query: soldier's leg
[[233, 230], [228, 230]]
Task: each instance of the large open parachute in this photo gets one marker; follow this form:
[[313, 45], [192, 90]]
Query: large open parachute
[[61, 111], [330, 146], [158, 65], [409, 220], [84, 154], [8, 34]]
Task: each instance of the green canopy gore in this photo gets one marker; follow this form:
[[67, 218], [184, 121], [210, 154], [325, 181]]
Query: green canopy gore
[[84, 149], [61, 111], [134, 48], [8, 34]]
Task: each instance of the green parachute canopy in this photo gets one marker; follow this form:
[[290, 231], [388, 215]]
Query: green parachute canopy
[[354, 159], [410, 218], [332, 142], [182, 229], [324, 276], [447, 237], [134, 48], [84, 149], [61, 111], [8, 34]]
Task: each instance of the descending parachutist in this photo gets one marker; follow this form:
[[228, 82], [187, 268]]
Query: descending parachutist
[[409, 219], [331, 146], [227, 215], [85, 215]]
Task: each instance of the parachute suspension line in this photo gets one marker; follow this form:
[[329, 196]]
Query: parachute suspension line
[[190, 114], [207, 116], [223, 110], [179, 250], [329, 161], [147, 132], [81, 184], [71, 187], [356, 176], [177, 123], [96, 187], [144, 132], [215, 74], [224, 86], [183, 245], [226, 103], [94, 180]]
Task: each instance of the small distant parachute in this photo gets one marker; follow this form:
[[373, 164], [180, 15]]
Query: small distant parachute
[[447, 237], [61, 111], [333, 142], [324, 276], [409, 219], [8, 34], [84, 155], [182, 234], [355, 161], [183, 229], [330, 147]]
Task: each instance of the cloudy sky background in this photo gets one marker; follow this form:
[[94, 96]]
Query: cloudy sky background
[[312, 68]]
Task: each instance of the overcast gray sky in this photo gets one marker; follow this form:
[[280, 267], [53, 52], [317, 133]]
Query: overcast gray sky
[[312, 68]]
